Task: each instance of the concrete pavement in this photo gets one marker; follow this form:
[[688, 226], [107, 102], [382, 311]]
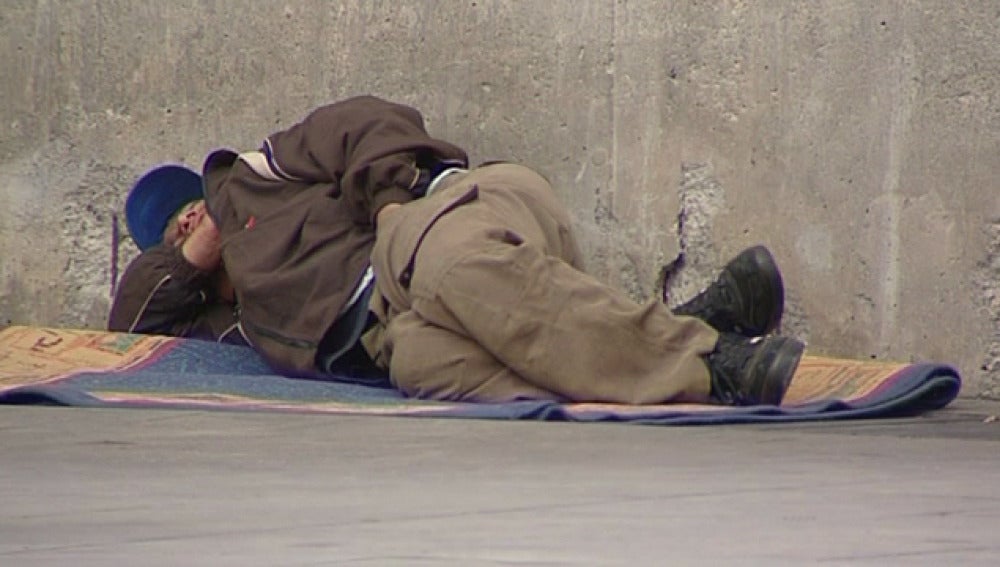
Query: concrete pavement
[[157, 487]]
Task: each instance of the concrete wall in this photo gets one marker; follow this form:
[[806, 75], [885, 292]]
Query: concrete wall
[[860, 140]]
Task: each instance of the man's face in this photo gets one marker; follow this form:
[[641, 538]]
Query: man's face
[[185, 222]]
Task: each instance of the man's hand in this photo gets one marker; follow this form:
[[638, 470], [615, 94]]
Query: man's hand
[[202, 246]]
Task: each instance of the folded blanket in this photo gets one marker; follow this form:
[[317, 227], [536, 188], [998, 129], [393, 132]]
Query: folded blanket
[[96, 368]]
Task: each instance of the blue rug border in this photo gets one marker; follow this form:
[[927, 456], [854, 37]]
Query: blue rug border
[[210, 368], [935, 391]]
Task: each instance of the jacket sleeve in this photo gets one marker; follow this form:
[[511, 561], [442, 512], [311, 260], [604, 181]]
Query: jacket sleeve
[[372, 151], [161, 293]]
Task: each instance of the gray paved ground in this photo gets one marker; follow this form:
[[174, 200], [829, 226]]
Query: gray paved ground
[[151, 487]]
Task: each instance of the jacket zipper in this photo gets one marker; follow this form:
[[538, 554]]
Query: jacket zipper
[[145, 304]]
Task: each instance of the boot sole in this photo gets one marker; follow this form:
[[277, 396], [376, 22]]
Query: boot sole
[[780, 357], [763, 310]]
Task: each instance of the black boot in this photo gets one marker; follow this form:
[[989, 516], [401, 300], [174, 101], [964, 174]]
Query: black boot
[[747, 372], [747, 298]]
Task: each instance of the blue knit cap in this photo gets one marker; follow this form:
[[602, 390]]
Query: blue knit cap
[[155, 199]]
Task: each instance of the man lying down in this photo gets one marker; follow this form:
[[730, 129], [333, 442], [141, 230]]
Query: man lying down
[[355, 242]]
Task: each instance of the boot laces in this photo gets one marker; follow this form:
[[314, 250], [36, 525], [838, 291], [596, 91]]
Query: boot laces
[[726, 364], [714, 304]]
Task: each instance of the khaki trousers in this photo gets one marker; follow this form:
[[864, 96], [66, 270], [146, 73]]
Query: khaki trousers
[[481, 297]]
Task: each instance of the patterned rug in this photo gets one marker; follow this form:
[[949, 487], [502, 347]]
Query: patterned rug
[[101, 369]]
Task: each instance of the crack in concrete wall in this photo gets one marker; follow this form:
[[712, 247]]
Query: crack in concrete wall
[[700, 197], [988, 282], [89, 231]]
